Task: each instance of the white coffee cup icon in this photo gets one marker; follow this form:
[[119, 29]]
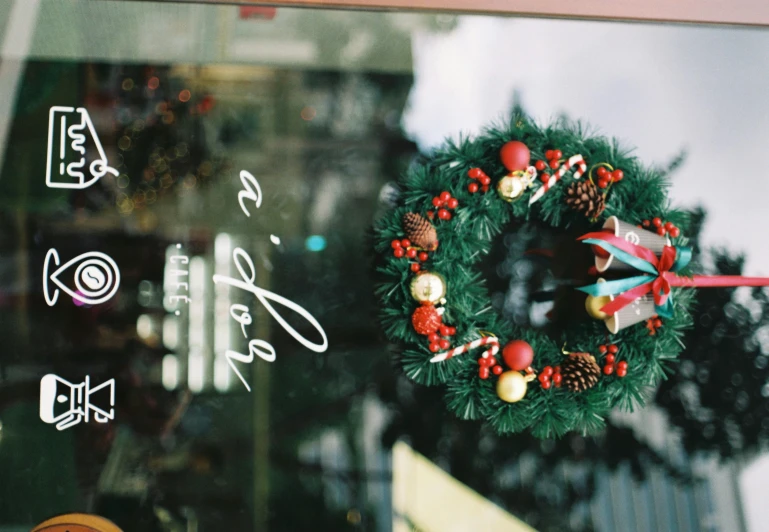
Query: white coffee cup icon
[[96, 278]]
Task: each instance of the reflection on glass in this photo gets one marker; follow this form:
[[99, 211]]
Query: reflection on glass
[[325, 108]]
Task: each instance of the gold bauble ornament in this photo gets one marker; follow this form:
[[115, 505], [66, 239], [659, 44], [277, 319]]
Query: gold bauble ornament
[[512, 186], [428, 287], [511, 386], [593, 305]]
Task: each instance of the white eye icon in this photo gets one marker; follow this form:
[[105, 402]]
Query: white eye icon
[[96, 278]]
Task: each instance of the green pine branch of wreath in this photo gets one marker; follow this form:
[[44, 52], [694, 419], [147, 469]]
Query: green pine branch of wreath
[[440, 200]]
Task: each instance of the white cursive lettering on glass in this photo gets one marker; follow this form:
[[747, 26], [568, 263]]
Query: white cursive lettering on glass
[[248, 193]]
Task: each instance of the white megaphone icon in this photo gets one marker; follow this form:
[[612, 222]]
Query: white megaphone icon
[[67, 168]]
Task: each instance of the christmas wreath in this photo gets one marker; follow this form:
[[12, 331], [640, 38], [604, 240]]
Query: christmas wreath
[[624, 259]]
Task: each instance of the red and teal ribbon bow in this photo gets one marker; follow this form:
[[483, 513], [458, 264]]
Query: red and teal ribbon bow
[[659, 274]]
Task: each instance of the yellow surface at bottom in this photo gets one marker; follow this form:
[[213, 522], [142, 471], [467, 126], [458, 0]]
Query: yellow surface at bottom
[[428, 499], [77, 523]]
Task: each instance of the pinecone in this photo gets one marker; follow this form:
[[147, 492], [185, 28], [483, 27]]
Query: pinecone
[[420, 231], [584, 196], [580, 371]]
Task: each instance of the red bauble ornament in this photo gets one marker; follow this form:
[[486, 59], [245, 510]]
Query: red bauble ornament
[[515, 155], [426, 320], [518, 355]]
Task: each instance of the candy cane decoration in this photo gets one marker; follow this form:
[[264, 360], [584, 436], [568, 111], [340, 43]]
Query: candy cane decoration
[[493, 341], [574, 160]]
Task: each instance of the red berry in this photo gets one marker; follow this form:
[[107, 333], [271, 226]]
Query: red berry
[[433, 337], [657, 221], [485, 181], [602, 349], [557, 378], [546, 384], [549, 154], [443, 214], [557, 370], [617, 175], [437, 202], [497, 370], [661, 231], [603, 183], [453, 203], [646, 223], [472, 188], [444, 330], [675, 232], [395, 244], [542, 377], [609, 359], [430, 214], [544, 177], [547, 371], [483, 361], [452, 331], [415, 267], [445, 195], [435, 347], [557, 154], [657, 323], [485, 188], [608, 369], [445, 344], [669, 226], [554, 164], [411, 253], [423, 256], [540, 165], [474, 173], [406, 242], [621, 372], [399, 253], [601, 171], [613, 349], [483, 372], [622, 365]]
